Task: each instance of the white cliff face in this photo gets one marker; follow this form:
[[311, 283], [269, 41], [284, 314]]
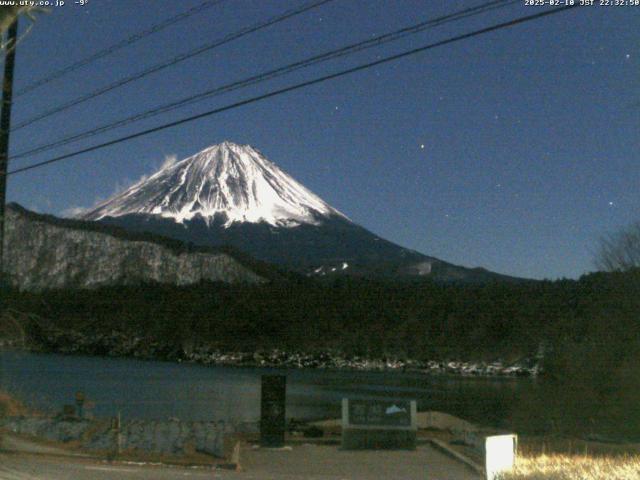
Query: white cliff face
[[234, 181], [40, 255]]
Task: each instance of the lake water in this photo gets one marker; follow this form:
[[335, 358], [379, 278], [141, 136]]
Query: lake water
[[156, 390]]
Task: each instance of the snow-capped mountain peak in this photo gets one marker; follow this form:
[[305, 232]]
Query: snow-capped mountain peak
[[227, 179]]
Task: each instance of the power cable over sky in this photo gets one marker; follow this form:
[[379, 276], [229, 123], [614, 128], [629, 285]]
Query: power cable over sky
[[436, 127], [294, 87], [173, 61], [262, 77]]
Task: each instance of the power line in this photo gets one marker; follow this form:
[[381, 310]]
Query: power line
[[119, 46], [175, 60], [298, 86], [253, 80]]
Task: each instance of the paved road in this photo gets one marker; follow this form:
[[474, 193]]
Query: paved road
[[309, 462], [315, 462], [15, 443], [31, 467]]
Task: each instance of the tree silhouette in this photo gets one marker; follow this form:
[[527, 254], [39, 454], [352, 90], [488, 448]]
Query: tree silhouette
[[620, 251]]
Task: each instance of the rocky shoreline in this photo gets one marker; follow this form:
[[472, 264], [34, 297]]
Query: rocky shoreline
[[117, 344], [282, 359]]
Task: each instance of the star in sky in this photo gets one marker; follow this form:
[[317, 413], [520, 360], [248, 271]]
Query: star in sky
[[444, 82]]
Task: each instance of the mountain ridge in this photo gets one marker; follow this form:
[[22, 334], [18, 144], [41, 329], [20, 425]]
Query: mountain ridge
[[231, 194], [24, 227], [234, 180]]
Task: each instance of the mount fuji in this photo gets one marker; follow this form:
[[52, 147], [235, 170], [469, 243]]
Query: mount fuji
[[230, 194]]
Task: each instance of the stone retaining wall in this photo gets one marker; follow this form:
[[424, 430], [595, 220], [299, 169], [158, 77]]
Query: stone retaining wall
[[172, 437]]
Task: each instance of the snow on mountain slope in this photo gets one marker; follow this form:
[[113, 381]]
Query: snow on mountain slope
[[232, 180]]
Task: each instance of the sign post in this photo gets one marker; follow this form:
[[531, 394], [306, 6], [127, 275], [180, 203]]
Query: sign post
[[80, 404], [272, 410]]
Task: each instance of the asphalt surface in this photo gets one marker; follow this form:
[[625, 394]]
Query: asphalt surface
[[14, 443], [309, 462]]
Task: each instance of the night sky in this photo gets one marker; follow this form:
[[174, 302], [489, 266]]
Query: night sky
[[514, 150]]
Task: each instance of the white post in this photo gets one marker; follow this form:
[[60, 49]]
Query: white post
[[500, 454]]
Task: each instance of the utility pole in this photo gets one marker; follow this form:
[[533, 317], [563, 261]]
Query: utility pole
[[5, 127]]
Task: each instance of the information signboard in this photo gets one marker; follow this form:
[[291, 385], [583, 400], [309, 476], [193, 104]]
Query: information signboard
[[381, 413], [378, 424]]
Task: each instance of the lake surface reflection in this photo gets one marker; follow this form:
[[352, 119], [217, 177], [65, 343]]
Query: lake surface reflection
[[155, 390]]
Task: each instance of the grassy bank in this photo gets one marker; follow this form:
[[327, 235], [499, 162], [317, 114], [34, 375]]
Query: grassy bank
[[10, 407], [575, 467]]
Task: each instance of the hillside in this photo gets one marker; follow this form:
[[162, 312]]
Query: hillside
[[230, 194], [45, 252]]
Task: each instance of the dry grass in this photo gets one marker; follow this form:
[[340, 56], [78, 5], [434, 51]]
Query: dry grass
[[534, 446], [575, 467], [11, 407]]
